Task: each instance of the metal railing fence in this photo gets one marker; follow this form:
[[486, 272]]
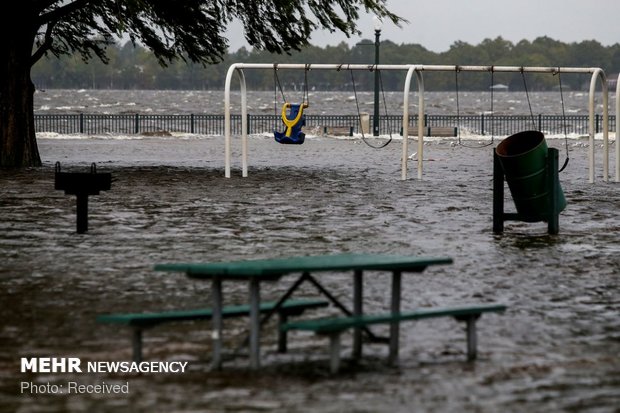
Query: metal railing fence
[[483, 124]]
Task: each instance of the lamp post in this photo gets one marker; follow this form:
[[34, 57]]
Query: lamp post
[[375, 119]]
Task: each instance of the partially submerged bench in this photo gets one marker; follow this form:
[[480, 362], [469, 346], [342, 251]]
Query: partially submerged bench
[[338, 130], [442, 131], [141, 321], [333, 327], [438, 131]]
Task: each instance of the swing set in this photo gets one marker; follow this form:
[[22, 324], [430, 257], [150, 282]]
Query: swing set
[[293, 115]]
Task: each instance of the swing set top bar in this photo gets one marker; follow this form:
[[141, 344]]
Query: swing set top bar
[[418, 69]]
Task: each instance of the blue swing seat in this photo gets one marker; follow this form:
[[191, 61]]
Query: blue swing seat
[[293, 122]]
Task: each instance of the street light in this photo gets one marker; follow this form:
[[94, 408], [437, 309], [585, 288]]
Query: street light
[[375, 119]]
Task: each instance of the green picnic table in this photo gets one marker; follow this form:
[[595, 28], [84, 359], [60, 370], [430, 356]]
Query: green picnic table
[[256, 271]]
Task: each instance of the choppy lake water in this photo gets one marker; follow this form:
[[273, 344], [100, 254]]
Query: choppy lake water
[[321, 102], [557, 348]]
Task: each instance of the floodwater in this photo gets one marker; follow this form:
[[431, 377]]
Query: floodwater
[[556, 349]]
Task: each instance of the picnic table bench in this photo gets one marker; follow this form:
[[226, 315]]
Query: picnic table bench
[[141, 321], [334, 326]]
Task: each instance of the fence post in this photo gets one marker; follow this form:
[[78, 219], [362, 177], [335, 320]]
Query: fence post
[[539, 122], [191, 123], [81, 123], [137, 124], [482, 124], [596, 117]]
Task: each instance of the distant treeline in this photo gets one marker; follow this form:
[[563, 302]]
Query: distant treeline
[[135, 67]]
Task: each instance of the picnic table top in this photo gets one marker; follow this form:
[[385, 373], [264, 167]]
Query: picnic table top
[[275, 268]]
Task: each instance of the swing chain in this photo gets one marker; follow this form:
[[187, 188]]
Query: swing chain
[[278, 86], [563, 118], [457, 69], [277, 83], [563, 111], [529, 103], [384, 106], [359, 116], [306, 98]]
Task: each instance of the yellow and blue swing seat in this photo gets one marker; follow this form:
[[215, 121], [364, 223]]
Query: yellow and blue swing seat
[[294, 120]]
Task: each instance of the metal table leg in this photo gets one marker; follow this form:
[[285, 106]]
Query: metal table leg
[[395, 309], [216, 334], [137, 344], [254, 324], [334, 352], [472, 352], [358, 294]]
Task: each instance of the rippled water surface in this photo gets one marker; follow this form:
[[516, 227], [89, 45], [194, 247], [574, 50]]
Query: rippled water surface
[[321, 102], [556, 348]]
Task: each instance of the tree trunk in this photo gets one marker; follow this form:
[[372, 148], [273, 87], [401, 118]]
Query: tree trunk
[[18, 142]]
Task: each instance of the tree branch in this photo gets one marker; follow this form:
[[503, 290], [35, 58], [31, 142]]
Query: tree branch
[[57, 14], [44, 4], [45, 46]]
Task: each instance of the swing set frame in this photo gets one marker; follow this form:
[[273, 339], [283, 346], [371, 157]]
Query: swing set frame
[[418, 70]]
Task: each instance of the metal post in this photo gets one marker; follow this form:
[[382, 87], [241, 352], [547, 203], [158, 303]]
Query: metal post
[[618, 130], [282, 335], [216, 334], [357, 311], [553, 183], [405, 150], [597, 119], [82, 213], [254, 324], [136, 343], [421, 127], [227, 125], [498, 195], [472, 351], [334, 352], [375, 118], [395, 309], [244, 125]]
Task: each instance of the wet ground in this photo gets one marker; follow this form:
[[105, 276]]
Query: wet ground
[[557, 348]]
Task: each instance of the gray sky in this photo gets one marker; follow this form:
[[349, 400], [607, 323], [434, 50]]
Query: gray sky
[[437, 24]]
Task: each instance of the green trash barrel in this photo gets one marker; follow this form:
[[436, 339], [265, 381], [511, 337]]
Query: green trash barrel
[[523, 157]]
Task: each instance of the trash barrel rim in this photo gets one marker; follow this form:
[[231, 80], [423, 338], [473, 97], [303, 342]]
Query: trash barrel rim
[[501, 147]]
